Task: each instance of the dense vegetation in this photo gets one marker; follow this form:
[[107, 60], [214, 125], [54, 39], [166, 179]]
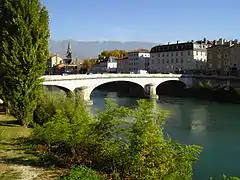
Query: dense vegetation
[[115, 53], [24, 50], [118, 142]]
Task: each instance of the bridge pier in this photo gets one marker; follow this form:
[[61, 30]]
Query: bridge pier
[[150, 91], [85, 92]]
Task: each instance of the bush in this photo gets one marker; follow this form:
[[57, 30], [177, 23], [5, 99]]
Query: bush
[[121, 142], [47, 106], [83, 173]]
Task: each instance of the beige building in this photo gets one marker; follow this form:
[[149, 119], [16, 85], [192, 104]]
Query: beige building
[[179, 57], [224, 57], [52, 62]]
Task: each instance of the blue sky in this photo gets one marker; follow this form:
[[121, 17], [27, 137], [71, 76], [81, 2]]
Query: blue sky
[[143, 20]]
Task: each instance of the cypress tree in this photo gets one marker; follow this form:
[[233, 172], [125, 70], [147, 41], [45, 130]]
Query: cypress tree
[[24, 51]]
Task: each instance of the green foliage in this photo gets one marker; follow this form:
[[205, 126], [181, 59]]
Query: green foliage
[[230, 178], [121, 142], [83, 173], [46, 107], [68, 124], [207, 85], [24, 51], [87, 65]]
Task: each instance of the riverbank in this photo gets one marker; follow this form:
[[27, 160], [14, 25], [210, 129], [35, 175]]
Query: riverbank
[[15, 162], [220, 95]]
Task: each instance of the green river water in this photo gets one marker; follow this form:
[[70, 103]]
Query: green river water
[[212, 125]]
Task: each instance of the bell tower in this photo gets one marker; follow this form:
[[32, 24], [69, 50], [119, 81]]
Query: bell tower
[[69, 51]]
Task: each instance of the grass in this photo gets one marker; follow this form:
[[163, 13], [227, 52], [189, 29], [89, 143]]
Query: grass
[[15, 161], [10, 174]]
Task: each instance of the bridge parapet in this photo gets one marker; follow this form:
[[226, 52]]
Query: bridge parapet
[[101, 76]]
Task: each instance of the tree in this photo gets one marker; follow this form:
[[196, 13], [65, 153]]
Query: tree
[[116, 53], [87, 65], [24, 50]]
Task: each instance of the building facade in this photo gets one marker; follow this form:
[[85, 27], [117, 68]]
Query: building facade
[[107, 65], [138, 60], [224, 57], [122, 65], [179, 57], [52, 62]]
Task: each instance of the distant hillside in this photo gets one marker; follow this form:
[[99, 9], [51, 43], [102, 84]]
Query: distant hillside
[[91, 49]]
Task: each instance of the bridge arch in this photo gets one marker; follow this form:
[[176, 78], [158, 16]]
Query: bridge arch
[[56, 88], [121, 87], [171, 87]]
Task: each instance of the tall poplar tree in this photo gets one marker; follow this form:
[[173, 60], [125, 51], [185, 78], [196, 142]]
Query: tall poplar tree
[[24, 35]]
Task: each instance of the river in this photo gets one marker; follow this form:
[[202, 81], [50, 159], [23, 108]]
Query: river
[[214, 126]]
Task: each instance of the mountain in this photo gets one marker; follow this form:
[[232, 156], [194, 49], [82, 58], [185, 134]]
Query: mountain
[[91, 49]]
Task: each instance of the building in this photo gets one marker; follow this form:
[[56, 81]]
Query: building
[[52, 62], [107, 65], [122, 65], [185, 57], [138, 60], [224, 57], [65, 69], [57, 65]]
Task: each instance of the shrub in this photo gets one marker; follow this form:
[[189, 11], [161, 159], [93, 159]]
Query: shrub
[[83, 173], [47, 106], [121, 142]]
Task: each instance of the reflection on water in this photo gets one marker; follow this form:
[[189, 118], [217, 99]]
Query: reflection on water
[[214, 126]]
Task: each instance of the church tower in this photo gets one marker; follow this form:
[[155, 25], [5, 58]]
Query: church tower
[[69, 51], [69, 54]]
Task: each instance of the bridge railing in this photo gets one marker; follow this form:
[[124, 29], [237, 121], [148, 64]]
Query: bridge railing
[[100, 76]]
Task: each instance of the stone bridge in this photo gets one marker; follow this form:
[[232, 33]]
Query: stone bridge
[[87, 83], [149, 82]]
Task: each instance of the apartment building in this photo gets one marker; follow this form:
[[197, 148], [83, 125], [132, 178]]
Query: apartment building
[[224, 57], [179, 57], [122, 65], [107, 65], [138, 60]]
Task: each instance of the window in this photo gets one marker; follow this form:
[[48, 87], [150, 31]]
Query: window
[[181, 53], [181, 60], [189, 53], [163, 55], [172, 54], [167, 61], [172, 61], [167, 54], [176, 53], [163, 61], [177, 60]]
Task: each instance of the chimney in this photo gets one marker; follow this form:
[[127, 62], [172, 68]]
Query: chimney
[[177, 42], [168, 43]]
